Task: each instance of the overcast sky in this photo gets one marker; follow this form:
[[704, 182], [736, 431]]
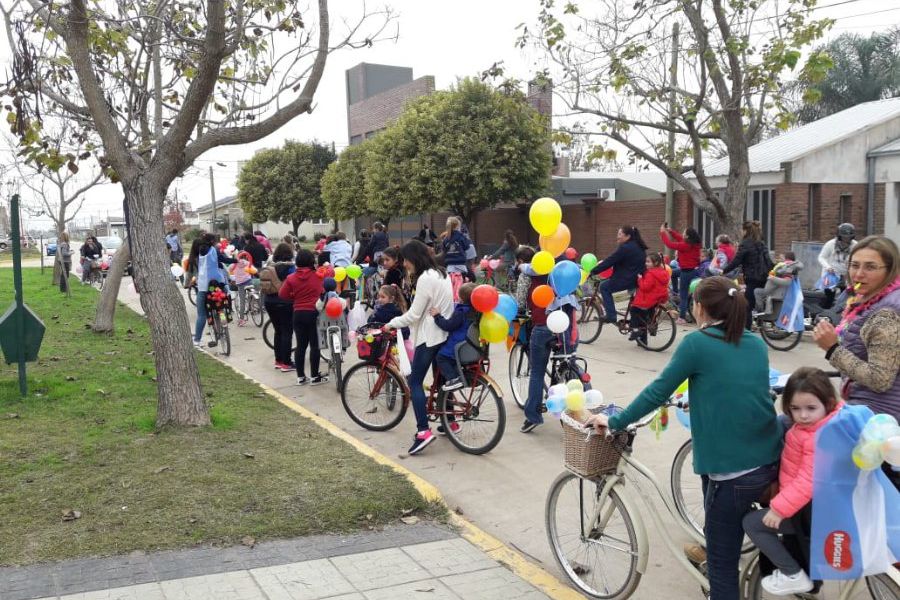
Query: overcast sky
[[445, 39]]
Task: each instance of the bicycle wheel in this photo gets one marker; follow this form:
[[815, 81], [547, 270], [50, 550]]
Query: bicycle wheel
[[223, 339], [590, 317], [519, 374], [337, 358], [269, 334], [660, 331], [192, 294], [878, 587], [256, 311], [479, 415], [687, 489], [374, 397], [777, 338], [598, 555]]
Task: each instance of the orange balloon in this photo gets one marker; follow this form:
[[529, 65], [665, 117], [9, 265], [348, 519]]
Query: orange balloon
[[542, 296], [557, 242]]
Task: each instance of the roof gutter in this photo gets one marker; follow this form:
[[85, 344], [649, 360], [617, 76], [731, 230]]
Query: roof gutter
[[870, 194]]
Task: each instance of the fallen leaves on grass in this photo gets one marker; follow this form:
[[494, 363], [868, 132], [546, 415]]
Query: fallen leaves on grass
[[248, 455], [410, 520], [162, 470]]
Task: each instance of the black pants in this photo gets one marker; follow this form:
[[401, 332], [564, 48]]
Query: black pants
[[282, 314], [750, 294], [307, 336], [639, 319]]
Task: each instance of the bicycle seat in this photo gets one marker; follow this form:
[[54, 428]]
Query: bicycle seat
[[814, 294]]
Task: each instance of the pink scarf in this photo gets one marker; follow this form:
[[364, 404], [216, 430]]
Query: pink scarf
[[852, 312]]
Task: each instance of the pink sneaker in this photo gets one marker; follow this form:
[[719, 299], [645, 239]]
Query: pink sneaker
[[421, 439], [454, 427]]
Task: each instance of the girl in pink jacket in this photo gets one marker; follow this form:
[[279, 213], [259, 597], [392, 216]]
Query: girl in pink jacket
[[809, 402]]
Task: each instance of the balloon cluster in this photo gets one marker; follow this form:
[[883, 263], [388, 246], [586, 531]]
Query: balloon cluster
[[879, 442], [354, 272], [682, 395], [489, 263], [572, 398], [545, 216], [496, 309]]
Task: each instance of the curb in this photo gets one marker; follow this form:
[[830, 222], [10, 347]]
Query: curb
[[493, 547]]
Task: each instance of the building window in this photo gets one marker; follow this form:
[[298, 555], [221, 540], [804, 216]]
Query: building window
[[846, 206], [761, 207], [705, 226]]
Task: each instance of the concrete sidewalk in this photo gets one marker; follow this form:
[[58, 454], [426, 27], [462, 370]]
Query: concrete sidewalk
[[405, 561]]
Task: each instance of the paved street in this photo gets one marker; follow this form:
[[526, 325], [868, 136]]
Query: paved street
[[504, 491]]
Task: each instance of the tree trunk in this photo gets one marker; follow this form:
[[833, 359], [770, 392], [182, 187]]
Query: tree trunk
[[105, 315], [60, 228], [180, 397]]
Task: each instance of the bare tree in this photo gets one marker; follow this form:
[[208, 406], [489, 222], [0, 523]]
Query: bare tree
[[160, 84], [612, 66]]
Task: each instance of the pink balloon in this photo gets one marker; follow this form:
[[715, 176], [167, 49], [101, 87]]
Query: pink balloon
[[484, 263]]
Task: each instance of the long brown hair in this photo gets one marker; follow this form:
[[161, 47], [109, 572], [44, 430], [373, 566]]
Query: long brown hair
[[395, 296], [811, 381], [723, 301], [887, 249], [511, 240], [752, 231]]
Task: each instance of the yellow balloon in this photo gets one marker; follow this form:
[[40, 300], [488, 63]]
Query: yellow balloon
[[493, 327], [682, 388], [340, 273], [556, 243], [543, 262], [575, 385], [575, 401], [545, 216], [584, 276], [867, 456]]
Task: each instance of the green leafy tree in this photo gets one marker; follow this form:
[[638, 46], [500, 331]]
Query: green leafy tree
[[156, 85], [284, 184], [344, 183], [865, 69], [464, 150], [612, 67]]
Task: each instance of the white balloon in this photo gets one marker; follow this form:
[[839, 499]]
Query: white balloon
[[560, 389], [557, 321], [593, 399], [890, 450], [229, 248], [177, 271]]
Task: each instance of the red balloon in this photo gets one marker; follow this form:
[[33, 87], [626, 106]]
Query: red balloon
[[571, 253], [333, 308], [484, 298]]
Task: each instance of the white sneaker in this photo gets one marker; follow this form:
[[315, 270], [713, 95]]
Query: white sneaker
[[197, 345], [779, 584]]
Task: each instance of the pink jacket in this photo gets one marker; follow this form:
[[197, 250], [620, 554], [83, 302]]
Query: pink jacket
[[795, 475]]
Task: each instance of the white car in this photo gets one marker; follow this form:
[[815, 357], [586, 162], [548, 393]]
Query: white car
[[110, 244]]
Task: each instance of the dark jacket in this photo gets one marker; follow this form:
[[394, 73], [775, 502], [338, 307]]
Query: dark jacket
[[457, 326], [455, 248], [378, 244], [753, 259], [384, 313], [627, 262], [394, 277], [258, 252], [303, 287]]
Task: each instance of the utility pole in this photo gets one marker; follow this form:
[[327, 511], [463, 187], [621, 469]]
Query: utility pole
[[212, 193], [670, 151]]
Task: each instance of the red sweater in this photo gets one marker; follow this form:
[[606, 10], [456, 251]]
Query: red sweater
[[688, 254], [653, 288], [303, 287]]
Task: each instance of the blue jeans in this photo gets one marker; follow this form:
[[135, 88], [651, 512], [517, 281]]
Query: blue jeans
[[684, 284], [421, 364], [607, 289], [201, 316], [447, 365], [726, 504], [538, 357]]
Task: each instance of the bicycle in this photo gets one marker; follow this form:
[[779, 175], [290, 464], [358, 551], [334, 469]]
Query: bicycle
[[218, 310], [609, 519], [656, 336], [333, 338], [561, 368], [268, 332], [782, 340], [376, 396], [249, 304]]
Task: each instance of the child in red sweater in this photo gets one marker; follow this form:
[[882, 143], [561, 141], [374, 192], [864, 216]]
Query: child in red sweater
[[809, 401], [303, 287], [653, 290]]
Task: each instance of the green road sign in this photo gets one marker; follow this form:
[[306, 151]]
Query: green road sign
[[29, 342]]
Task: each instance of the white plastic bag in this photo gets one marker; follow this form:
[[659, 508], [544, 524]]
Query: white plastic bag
[[405, 366], [356, 318]]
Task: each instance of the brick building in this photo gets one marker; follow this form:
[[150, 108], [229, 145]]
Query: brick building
[[377, 94]]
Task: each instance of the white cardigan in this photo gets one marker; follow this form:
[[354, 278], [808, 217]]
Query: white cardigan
[[431, 290]]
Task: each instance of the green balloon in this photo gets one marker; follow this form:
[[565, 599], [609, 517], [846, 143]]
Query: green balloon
[[588, 262], [354, 271], [694, 284]]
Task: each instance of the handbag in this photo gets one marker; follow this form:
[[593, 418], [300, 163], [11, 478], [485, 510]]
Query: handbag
[[403, 357]]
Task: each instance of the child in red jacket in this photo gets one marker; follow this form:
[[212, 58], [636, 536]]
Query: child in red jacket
[[809, 401], [653, 290], [303, 287]]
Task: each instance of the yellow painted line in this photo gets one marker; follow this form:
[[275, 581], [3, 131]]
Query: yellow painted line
[[518, 564]]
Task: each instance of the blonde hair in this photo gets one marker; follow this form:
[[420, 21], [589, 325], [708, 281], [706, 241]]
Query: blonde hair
[[395, 296], [64, 236]]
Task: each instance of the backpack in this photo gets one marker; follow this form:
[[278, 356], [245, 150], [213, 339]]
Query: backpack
[[269, 283]]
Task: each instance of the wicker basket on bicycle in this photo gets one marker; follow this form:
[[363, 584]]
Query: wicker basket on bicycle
[[372, 342], [590, 455]]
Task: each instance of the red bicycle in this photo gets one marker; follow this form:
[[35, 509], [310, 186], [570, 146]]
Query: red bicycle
[[376, 396]]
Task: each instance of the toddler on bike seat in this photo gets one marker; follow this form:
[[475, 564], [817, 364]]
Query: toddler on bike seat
[[457, 326], [809, 402], [780, 278], [653, 290]]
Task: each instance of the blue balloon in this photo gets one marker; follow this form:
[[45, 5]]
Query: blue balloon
[[507, 307], [565, 277], [556, 404]]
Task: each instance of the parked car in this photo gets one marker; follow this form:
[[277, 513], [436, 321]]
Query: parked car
[[50, 247], [110, 244]]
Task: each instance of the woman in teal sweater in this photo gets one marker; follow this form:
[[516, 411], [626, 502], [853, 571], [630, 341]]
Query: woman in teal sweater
[[737, 440]]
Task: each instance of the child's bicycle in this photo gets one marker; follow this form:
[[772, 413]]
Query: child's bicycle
[[218, 311], [657, 334], [562, 366], [249, 303], [333, 341], [376, 396]]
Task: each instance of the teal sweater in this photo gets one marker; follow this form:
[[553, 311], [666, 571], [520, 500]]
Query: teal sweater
[[733, 421]]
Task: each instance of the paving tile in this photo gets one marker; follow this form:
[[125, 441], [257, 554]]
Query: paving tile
[[147, 591], [308, 580], [382, 568], [353, 596], [450, 557], [417, 590], [492, 584], [238, 585]]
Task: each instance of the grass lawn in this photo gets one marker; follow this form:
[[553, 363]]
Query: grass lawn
[[83, 440]]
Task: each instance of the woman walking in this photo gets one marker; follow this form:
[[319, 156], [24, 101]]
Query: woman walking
[[281, 312], [753, 258], [736, 435], [431, 289]]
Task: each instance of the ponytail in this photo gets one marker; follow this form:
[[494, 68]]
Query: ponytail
[[635, 235], [723, 301]]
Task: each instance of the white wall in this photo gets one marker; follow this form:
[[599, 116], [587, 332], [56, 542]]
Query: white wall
[[844, 161], [892, 211]]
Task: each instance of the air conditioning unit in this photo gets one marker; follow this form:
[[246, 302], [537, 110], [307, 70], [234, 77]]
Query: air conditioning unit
[[607, 194]]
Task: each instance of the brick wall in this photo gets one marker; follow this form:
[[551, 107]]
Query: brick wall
[[373, 114]]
